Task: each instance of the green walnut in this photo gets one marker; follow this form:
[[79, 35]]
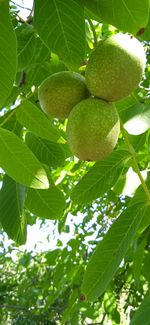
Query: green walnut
[[115, 67], [93, 129], [60, 92]]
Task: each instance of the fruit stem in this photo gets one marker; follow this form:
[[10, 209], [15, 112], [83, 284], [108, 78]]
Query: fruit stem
[[134, 160], [93, 31]]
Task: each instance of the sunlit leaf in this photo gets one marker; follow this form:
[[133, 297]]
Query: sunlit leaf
[[48, 152], [8, 52], [30, 116], [51, 203], [137, 119], [18, 161]]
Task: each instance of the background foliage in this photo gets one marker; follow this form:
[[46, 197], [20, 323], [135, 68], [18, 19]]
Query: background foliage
[[102, 275]]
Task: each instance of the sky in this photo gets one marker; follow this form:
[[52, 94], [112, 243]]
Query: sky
[[24, 13]]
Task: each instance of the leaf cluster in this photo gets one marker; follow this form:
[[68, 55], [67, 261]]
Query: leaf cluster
[[107, 259]]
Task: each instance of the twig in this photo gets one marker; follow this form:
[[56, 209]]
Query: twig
[[93, 31], [22, 7]]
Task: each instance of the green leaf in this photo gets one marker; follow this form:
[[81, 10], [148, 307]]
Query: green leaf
[[100, 178], [134, 115], [49, 153], [10, 122], [12, 218], [26, 45], [124, 105], [43, 69], [61, 26], [126, 15], [111, 250], [141, 316], [139, 197], [137, 141], [8, 53], [68, 311], [19, 162], [92, 9], [137, 119], [46, 204], [30, 116], [138, 258], [145, 35], [32, 52], [146, 268], [51, 256]]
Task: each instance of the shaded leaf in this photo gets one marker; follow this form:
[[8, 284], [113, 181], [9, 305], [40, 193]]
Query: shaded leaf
[[8, 53], [138, 258], [68, 311], [30, 116], [26, 45], [100, 178], [91, 10], [18, 161], [46, 204], [146, 268], [12, 218], [61, 26], [31, 50], [44, 68], [141, 316], [111, 250]]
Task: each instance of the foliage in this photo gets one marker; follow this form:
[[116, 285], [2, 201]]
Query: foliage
[[102, 275]]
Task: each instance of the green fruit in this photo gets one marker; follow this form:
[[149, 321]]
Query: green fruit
[[93, 129], [60, 92], [115, 67]]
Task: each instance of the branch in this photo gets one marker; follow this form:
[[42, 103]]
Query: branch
[[22, 7]]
